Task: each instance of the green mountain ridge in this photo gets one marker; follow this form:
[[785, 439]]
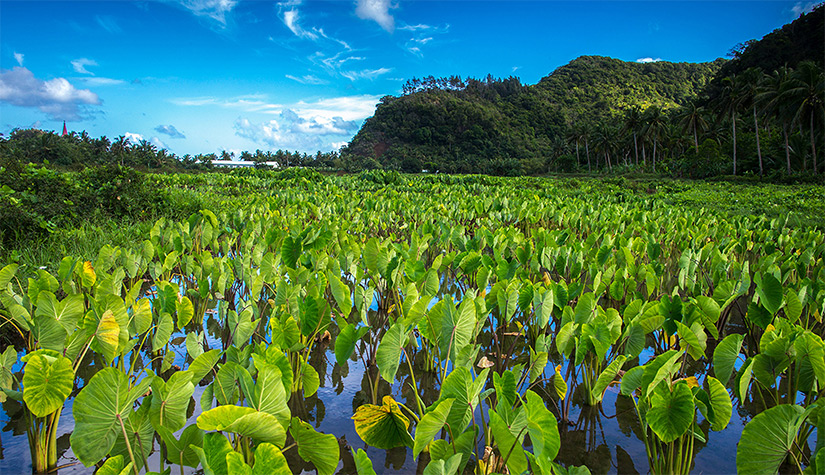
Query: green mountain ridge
[[500, 126]]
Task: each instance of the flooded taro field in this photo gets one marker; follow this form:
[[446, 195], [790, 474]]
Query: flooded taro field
[[429, 325]]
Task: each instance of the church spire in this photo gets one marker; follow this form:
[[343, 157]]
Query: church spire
[[65, 131]]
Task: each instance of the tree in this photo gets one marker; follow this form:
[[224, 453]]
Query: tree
[[771, 97], [806, 96], [751, 83], [691, 119], [728, 104], [654, 122], [632, 123]]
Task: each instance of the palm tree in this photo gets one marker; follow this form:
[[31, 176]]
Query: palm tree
[[574, 135], [654, 123], [728, 104], [770, 96], [605, 138], [586, 132], [750, 86], [691, 118], [121, 146], [806, 95], [632, 123]]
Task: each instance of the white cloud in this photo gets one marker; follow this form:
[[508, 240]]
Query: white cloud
[[378, 11], [292, 22], [171, 131], [214, 9], [338, 145], [56, 97], [801, 8], [307, 79], [157, 142], [19, 58], [417, 27], [80, 64], [310, 125], [370, 74], [648, 60], [108, 23], [248, 103], [98, 81], [133, 137]]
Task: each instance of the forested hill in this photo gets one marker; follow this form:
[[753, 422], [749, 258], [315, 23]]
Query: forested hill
[[595, 88], [500, 126]]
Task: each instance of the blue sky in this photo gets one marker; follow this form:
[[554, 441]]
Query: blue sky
[[200, 76]]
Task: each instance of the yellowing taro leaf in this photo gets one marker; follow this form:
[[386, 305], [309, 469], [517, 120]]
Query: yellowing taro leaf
[[383, 427], [107, 335], [87, 275]]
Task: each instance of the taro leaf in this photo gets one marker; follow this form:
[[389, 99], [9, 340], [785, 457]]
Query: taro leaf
[[141, 316], [383, 427], [505, 386], [87, 275], [661, 368], [634, 338], [179, 451], [6, 275], [185, 311], [770, 293], [320, 449], [170, 399], [460, 386], [346, 340], [310, 381], [388, 355], [140, 434], [559, 384], [163, 332], [68, 312], [743, 380], [632, 380], [224, 387], [290, 251], [793, 307], [724, 356], [269, 394], [768, 439], [244, 421], [203, 364], [721, 407], [443, 467], [285, 334], [98, 410], [270, 461], [50, 334], [607, 377], [671, 411], [508, 444], [543, 429], [341, 292], [107, 334], [430, 425], [194, 344], [766, 369], [457, 329], [47, 381], [235, 464], [7, 361], [690, 342], [114, 466], [538, 362], [363, 464], [213, 454]]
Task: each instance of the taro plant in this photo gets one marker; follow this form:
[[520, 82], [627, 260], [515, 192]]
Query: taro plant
[[666, 403]]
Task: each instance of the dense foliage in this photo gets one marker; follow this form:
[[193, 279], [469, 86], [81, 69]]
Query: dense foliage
[[533, 310]]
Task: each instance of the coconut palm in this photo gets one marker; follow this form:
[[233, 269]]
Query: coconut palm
[[632, 123], [654, 122], [751, 84], [692, 119], [770, 96], [728, 105], [806, 95]]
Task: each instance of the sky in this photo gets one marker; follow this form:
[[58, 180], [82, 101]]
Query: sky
[[203, 76]]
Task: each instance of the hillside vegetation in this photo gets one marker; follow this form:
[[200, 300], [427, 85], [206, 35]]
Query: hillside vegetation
[[760, 112]]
